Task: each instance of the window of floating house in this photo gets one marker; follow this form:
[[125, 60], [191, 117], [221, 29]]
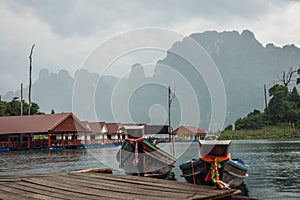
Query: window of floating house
[[124, 136], [98, 136], [40, 137], [88, 137], [114, 136], [70, 137], [58, 137], [109, 137], [14, 138], [3, 138], [92, 137], [80, 137], [24, 138], [53, 137]]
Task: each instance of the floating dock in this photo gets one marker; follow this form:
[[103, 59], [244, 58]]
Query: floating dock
[[76, 185]]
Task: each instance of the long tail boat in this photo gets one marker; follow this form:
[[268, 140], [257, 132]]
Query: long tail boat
[[234, 172], [215, 167], [142, 157], [194, 171]]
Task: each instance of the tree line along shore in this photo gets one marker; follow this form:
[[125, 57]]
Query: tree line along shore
[[282, 131]]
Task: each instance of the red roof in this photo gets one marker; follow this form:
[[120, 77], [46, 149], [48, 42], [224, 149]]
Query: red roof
[[62, 122], [96, 127], [112, 128], [188, 130]]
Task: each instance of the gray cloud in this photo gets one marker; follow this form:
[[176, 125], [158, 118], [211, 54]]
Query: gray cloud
[[85, 17], [67, 30]]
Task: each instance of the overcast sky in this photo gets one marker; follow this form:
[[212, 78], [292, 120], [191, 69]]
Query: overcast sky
[[66, 31]]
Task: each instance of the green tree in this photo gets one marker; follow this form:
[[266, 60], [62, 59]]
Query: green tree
[[278, 105], [294, 97], [254, 120], [13, 107], [283, 107], [2, 108], [35, 109]]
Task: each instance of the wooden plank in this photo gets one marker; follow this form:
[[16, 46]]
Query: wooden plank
[[126, 184], [14, 193], [92, 186], [76, 188], [203, 191], [12, 196], [141, 180], [163, 184], [49, 191], [137, 180], [68, 194], [18, 177], [124, 189]]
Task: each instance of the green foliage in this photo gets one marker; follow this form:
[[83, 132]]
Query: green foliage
[[284, 107], [254, 120], [280, 131], [13, 108], [2, 108], [294, 97]]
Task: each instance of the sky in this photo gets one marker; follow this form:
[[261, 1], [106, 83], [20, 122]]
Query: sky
[[67, 31]]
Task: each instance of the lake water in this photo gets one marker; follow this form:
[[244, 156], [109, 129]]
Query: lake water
[[273, 174]]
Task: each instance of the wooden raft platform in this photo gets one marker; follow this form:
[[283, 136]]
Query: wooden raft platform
[[75, 185]]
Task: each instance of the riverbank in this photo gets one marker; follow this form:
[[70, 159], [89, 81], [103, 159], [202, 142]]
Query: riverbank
[[281, 132]]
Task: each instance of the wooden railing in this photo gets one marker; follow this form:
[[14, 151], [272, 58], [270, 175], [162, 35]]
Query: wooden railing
[[55, 143], [10, 144]]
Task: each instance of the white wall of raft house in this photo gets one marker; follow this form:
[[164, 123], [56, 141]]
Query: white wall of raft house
[[93, 136]]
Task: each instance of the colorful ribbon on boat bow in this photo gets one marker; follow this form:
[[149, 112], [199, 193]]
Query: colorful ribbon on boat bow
[[213, 173], [136, 149]]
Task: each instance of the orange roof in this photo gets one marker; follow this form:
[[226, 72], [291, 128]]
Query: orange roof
[[188, 130], [62, 122]]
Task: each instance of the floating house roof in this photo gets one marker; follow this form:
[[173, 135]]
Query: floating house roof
[[97, 127], [188, 130], [62, 122], [113, 128]]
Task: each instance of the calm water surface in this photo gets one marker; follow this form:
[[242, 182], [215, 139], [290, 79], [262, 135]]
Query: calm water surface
[[273, 174]]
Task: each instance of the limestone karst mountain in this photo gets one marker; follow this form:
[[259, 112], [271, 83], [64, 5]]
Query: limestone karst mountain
[[244, 63]]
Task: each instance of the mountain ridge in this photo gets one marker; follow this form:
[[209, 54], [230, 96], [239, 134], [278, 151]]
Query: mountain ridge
[[244, 63]]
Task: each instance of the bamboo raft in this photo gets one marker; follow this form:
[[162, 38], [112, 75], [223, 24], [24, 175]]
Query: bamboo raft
[[78, 185]]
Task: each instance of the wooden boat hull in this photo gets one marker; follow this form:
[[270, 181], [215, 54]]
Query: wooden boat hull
[[214, 147], [234, 173], [145, 159], [215, 166], [194, 171]]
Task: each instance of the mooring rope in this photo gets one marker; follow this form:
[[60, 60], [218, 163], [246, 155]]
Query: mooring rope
[[194, 181]]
